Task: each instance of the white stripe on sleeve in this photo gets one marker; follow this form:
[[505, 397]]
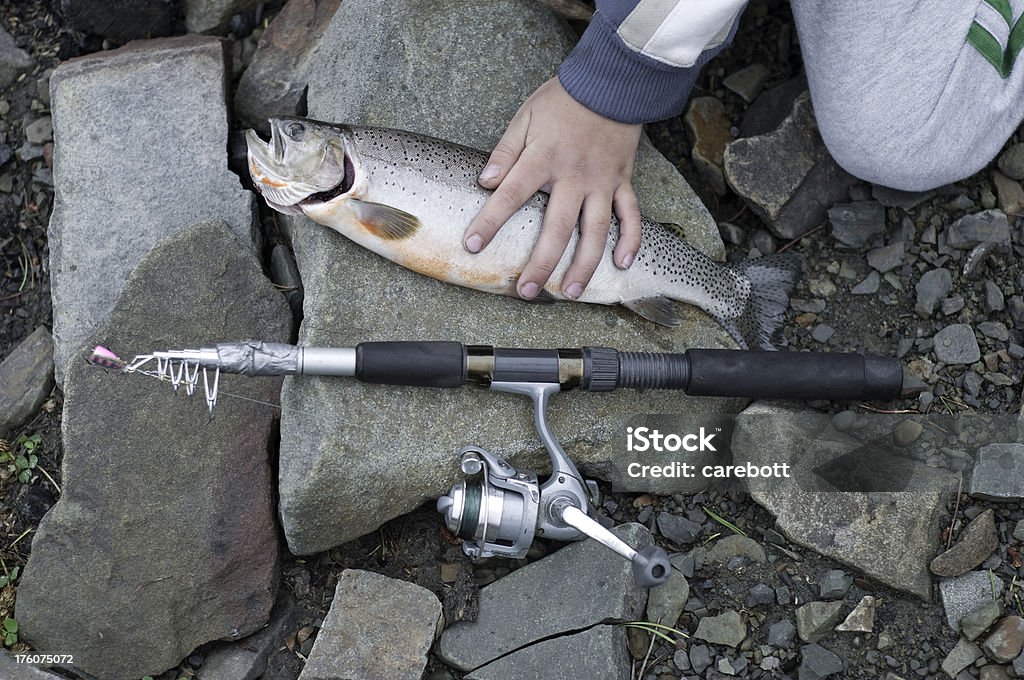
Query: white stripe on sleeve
[[676, 33]]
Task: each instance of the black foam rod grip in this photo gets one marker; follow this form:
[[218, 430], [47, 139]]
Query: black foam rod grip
[[423, 364], [793, 375]]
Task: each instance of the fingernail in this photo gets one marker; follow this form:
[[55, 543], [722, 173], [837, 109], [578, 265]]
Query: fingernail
[[489, 173], [474, 243], [627, 260], [529, 290], [573, 291]]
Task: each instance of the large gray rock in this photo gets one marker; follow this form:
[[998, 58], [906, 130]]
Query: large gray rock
[[787, 176], [122, 20], [999, 472], [412, 65], [889, 535], [598, 653], [275, 81], [378, 627], [13, 60], [164, 537], [155, 112], [595, 585], [26, 378], [368, 453]]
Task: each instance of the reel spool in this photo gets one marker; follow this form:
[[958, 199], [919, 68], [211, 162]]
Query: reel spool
[[498, 510], [495, 514]]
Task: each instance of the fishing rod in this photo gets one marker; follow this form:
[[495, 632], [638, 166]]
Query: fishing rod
[[499, 509]]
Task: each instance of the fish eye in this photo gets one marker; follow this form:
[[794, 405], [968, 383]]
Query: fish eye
[[294, 130]]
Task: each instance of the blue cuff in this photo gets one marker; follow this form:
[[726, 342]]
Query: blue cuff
[[611, 79]]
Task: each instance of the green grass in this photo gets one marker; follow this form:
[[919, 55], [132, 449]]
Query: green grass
[[724, 522]]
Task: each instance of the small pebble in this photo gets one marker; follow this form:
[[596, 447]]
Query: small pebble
[[1011, 162], [952, 305], [886, 258], [994, 329], [907, 432], [956, 345], [822, 333], [869, 286], [844, 420], [994, 300]]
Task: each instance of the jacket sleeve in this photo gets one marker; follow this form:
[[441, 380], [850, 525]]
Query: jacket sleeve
[[639, 59]]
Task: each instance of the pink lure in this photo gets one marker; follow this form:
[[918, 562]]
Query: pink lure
[[104, 358]]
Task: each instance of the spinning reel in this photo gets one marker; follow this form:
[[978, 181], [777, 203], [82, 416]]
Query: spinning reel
[[498, 510]]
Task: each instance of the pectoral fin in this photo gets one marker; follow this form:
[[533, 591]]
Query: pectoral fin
[[383, 221], [658, 309]]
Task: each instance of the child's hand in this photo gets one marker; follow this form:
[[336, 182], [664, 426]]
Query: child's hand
[[585, 162]]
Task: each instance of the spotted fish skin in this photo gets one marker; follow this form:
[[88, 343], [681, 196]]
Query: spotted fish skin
[[412, 197]]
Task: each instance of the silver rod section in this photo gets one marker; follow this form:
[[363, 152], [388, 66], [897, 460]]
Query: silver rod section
[[580, 521], [340, 361]]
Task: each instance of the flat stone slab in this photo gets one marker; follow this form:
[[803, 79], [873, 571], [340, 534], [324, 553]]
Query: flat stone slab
[[377, 628], [977, 542], [598, 653], [155, 113], [998, 472], [594, 585], [164, 538], [968, 593], [889, 535], [330, 453], [26, 378]]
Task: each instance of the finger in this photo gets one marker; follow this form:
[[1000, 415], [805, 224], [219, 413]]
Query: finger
[[628, 212], [559, 223], [506, 152], [594, 224], [518, 187]]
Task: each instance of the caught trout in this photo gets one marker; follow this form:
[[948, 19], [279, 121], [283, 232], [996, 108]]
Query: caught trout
[[409, 198]]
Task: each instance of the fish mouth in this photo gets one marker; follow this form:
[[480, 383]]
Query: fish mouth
[[286, 190]]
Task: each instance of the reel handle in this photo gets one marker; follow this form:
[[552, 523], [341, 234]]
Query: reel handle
[[651, 566]]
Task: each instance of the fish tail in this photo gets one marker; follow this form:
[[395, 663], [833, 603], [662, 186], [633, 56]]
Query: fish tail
[[772, 279]]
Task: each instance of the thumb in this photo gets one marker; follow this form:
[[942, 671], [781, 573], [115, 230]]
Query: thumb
[[506, 152]]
